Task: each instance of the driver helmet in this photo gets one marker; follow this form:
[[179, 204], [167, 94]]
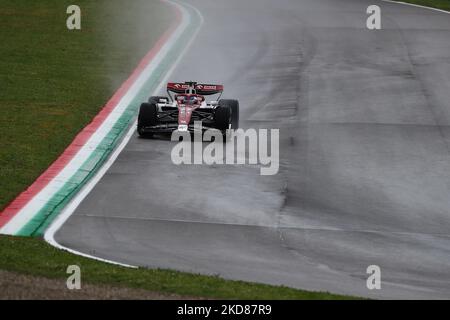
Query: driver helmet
[[193, 100]]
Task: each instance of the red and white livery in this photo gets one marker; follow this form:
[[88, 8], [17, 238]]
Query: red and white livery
[[185, 104]]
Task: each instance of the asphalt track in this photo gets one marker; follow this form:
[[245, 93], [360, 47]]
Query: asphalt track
[[365, 156]]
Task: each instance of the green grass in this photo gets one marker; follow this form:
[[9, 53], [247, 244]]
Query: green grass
[[439, 4], [35, 257], [54, 81]]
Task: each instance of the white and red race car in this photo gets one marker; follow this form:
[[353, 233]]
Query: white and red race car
[[188, 105]]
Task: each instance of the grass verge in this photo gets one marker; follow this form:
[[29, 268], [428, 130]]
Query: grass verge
[[438, 4], [34, 256], [54, 81]]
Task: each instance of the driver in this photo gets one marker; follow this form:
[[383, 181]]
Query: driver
[[189, 100], [193, 100]]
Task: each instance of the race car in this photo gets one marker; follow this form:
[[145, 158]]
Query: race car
[[186, 106]]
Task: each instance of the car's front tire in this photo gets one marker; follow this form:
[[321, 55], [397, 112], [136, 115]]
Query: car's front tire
[[148, 116], [222, 118], [234, 107]]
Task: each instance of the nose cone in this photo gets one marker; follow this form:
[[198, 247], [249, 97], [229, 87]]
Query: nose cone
[[184, 114]]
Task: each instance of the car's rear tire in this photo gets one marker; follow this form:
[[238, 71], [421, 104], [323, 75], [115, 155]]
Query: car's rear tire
[[156, 99], [234, 106], [148, 116]]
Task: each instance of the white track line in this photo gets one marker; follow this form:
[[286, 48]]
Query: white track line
[[417, 5], [49, 235]]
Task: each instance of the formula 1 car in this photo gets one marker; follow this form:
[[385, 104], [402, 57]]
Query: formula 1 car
[[188, 105]]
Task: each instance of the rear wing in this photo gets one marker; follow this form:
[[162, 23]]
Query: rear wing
[[194, 87]]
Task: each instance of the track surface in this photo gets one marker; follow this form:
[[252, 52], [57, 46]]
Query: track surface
[[365, 156]]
